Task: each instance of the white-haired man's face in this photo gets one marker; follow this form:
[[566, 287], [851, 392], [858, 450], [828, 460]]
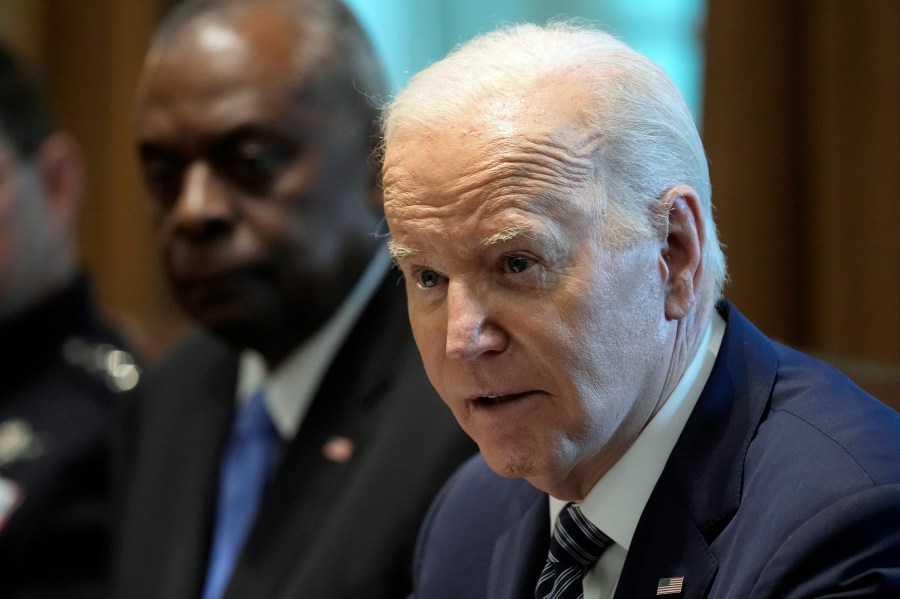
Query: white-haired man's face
[[549, 345]]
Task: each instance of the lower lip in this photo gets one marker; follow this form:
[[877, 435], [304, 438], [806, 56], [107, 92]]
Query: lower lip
[[214, 294], [227, 283], [209, 289], [496, 403]]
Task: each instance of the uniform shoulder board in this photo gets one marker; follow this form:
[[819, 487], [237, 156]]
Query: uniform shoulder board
[[103, 361], [19, 442]]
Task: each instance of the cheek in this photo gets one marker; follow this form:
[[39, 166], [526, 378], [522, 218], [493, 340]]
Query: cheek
[[285, 241], [273, 219], [429, 334], [164, 234], [607, 346]]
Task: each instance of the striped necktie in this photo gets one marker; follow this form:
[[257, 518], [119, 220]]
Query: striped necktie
[[574, 549], [244, 471]]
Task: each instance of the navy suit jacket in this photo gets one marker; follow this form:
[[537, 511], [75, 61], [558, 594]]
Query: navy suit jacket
[[785, 483]]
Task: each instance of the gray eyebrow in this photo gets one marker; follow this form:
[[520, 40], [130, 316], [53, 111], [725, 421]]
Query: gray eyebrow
[[508, 234], [399, 251]]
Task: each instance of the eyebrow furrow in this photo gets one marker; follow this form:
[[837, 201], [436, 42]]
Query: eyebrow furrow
[[559, 159]]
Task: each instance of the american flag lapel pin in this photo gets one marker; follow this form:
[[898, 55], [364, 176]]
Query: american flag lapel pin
[[338, 449], [670, 586]]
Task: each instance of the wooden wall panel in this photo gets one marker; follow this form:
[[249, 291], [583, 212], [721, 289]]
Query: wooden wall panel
[[90, 52], [22, 27], [803, 133]]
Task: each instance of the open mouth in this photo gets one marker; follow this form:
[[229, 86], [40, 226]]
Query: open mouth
[[493, 400]]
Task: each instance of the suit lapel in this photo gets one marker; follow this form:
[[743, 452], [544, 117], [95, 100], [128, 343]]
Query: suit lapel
[[700, 488], [308, 482], [667, 544]]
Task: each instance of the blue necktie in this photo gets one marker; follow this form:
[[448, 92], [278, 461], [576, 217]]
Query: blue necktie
[[574, 549], [244, 471]]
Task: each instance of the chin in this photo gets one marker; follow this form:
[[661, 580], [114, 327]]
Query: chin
[[229, 323], [548, 471], [218, 319], [511, 462], [232, 332]]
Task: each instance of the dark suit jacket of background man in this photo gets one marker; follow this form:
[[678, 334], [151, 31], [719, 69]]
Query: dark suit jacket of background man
[[785, 480], [325, 529], [58, 395]]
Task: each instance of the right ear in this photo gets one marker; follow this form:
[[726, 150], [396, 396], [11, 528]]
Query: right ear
[[682, 252], [62, 172]]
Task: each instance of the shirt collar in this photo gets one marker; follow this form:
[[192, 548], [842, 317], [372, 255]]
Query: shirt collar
[[291, 387], [616, 502]]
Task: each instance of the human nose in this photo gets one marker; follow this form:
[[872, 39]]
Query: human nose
[[471, 332], [203, 211]]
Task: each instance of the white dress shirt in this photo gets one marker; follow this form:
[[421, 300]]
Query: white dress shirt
[[291, 387], [616, 502]]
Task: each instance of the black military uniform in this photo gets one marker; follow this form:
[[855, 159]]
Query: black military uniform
[[60, 370]]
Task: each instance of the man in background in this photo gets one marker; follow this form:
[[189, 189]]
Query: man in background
[[62, 365], [549, 203], [290, 447]]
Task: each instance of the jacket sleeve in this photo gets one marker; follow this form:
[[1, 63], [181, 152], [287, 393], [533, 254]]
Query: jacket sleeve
[[850, 548]]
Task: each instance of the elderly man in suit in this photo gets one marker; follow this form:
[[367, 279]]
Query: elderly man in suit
[[549, 203], [290, 448]]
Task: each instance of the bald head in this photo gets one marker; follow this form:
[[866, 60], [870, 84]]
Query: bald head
[[333, 57]]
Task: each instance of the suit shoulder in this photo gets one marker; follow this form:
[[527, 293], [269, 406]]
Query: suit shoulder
[[475, 500], [199, 370], [475, 509], [829, 423], [191, 366], [199, 348]]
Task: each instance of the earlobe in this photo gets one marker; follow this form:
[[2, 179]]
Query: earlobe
[[682, 253]]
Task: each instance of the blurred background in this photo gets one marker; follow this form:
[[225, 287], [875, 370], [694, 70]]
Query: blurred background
[[798, 103]]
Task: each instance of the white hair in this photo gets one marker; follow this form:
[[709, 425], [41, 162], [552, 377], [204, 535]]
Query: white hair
[[646, 141]]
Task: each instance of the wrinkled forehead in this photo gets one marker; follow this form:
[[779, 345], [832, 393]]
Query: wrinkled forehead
[[532, 144]]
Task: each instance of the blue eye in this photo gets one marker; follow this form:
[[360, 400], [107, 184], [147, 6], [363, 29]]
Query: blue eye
[[429, 278], [516, 264]]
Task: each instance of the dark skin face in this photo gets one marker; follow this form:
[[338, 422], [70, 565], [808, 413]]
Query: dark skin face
[[265, 200]]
